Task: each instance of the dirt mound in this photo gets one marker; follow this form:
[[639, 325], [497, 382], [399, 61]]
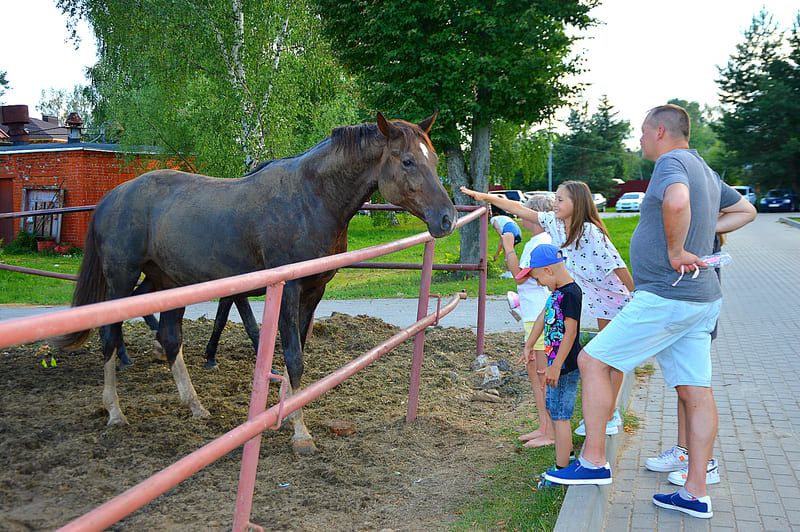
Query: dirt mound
[[58, 459]]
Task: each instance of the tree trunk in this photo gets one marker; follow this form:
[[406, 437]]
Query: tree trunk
[[476, 179]]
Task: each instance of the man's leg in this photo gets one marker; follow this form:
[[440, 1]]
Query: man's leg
[[682, 428], [616, 375], [598, 399], [701, 423]]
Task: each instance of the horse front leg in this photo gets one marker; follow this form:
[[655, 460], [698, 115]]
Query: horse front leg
[[223, 311], [170, 335], [289, 326]]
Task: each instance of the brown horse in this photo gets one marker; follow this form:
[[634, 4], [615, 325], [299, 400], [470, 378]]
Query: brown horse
[[179, 229]]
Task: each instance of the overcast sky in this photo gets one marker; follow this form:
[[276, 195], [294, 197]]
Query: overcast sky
[[642, 54]]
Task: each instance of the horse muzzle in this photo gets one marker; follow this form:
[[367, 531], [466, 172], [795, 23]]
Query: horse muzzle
[[441, 222]]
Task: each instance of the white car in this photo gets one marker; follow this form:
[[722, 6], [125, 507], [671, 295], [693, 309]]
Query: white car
[[747, 192], [599, 201], [630, 202]]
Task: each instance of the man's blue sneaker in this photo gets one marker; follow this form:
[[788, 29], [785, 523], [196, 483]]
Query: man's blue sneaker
[[576, 474], [695, 507]]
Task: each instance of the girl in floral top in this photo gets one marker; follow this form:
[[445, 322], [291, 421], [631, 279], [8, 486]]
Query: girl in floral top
[[592, 260]]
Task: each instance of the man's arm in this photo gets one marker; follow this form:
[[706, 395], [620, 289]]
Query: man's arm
[[736, 216], [677, 214], [570, 334], [510, 206]]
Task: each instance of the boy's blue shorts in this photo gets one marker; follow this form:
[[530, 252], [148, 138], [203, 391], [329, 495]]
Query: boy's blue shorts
[[560, 401]]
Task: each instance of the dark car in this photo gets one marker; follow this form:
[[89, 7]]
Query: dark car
[[779, 199]]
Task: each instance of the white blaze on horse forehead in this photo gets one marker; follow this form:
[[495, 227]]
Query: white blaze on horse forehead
[[424, 149]]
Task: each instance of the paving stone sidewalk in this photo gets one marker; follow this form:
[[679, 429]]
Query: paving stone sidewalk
[[757, 388]]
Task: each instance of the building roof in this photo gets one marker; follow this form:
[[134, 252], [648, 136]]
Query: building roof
[[79, 146], [42, 131]]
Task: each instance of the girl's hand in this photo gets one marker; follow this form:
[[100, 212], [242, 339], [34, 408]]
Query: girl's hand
[[524, 357], [551, 375], [477, 196]]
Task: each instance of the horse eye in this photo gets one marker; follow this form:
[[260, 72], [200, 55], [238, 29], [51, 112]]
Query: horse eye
[[408, 163]]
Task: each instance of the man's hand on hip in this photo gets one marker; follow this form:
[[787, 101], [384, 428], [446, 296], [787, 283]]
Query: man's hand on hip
[[686, 261]]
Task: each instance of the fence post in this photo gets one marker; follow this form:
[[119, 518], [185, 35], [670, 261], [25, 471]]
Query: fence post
[[484, 246], [419, 339], [258, 403]]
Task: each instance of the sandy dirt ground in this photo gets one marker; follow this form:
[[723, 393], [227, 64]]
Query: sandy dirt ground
[[58, 459]]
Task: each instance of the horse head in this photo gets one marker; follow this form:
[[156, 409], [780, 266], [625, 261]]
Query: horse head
[[408, 175]]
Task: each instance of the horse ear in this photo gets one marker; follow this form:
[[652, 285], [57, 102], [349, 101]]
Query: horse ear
[[427, 124], [385, 127]]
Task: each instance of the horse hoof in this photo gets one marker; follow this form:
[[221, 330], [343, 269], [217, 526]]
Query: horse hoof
[[210, 364], [200, 411], [158, 352], [304, 447], [117, 420]]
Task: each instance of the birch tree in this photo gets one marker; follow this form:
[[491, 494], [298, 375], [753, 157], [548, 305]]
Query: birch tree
[[229, 82]]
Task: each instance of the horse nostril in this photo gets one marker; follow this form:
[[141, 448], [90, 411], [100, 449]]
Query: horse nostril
[[447, 223]]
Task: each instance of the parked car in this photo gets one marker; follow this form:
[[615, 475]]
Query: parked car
[[779, 199], [599, 201], [630, 202], [514, 195], [531, 193], [746, 191]]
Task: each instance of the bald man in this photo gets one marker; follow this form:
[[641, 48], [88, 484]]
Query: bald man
[[673, 310]]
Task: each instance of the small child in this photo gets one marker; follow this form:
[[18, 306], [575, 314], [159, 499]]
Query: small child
[[561, 321], [532, 297], [505, 225]]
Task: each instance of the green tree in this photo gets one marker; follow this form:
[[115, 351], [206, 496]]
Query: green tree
[[3, 84], [594, 149], [761, 104], [60, 102], [518, 156], [230, 83], [477, 62]]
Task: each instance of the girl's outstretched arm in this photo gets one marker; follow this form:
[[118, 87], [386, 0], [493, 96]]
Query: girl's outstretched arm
[[507, 205]]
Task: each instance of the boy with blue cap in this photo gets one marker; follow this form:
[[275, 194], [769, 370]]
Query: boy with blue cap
[[561, 322]]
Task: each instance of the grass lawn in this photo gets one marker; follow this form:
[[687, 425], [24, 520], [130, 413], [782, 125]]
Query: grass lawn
[[16, 288]]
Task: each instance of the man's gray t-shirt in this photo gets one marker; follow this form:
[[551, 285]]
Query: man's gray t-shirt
[[708, 194]]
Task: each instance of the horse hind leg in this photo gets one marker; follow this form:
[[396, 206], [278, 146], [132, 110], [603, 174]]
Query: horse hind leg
[[111, 336], [288, 323], [170, 336]]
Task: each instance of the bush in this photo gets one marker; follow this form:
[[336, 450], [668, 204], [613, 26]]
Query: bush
[[24, 243]]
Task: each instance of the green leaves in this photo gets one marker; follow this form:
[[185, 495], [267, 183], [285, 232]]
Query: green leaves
[[227, 82], [760, 93]]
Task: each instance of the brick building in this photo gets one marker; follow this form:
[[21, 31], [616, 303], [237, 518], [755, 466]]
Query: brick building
[[52, 175]]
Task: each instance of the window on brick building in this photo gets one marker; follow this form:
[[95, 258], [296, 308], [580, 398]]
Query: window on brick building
[[48, 226]]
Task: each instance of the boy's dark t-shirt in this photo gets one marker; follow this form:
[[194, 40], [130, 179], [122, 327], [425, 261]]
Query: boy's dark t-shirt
[[564, 302]]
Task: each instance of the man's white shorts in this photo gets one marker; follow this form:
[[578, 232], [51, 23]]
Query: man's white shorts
[[678, 333]]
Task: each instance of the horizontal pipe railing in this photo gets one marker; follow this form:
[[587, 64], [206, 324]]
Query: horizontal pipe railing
[[46, 212], [361, 265], [89, 208], [134, 498], [22, 330]]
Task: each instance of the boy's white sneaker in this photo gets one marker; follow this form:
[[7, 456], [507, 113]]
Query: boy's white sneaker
[[712, 474], [673, 459]]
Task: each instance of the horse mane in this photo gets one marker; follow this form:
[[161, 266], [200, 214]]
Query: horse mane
[[258, 167], [352, 139]]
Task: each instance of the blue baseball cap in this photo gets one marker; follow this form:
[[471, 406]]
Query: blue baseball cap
[[541, 256]]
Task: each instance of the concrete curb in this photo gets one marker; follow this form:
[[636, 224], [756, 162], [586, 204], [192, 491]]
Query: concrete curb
[[585, 507], [791, 222]]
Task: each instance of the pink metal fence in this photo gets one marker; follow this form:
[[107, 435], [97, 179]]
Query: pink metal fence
[[24, 330]]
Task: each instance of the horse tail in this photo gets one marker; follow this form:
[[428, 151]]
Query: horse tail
[[90, 288]]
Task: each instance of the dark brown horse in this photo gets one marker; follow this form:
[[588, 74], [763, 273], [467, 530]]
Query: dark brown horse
[[180, 229]]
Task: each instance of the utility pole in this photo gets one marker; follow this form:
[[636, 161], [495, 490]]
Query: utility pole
[[550, 166]]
